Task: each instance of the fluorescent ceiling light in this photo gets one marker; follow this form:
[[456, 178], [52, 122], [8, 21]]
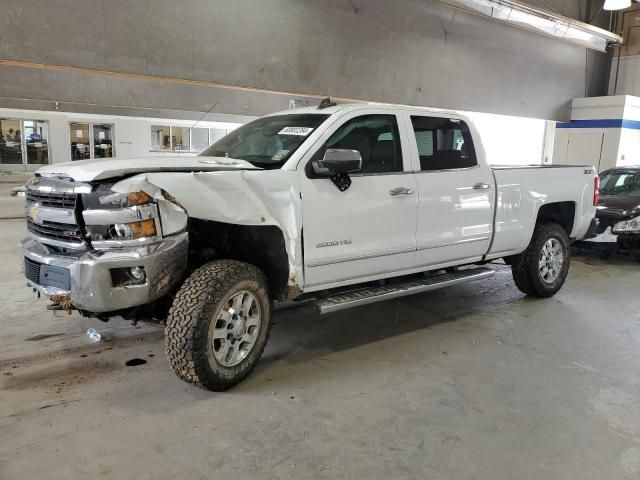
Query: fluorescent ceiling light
[[616, 4], [542, 21]]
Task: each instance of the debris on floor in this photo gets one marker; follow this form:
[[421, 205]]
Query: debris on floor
[[94, 336], [134, 362]]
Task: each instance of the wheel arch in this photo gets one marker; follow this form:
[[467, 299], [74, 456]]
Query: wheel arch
[[562, 213], [262, 246]]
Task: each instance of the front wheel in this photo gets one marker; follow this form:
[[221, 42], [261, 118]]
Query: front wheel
[[218, 325], [541, 270]]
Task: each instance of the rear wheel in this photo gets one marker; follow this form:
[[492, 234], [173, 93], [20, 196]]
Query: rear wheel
[[218, 324], [541, 270]]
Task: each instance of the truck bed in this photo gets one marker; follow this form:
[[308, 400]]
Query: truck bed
[[519, 197]]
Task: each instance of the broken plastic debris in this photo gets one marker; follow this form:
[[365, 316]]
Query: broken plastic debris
[[94, 335]]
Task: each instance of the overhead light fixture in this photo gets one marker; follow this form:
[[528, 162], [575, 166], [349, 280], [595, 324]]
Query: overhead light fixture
[[542, 21], [616, 4]]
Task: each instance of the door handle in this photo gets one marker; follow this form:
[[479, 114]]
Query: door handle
[[401, 192], [481, 186]]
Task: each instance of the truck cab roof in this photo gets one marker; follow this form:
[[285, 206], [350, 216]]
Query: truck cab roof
[[349, 107]]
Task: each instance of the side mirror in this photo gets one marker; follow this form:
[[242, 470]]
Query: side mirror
[[337, 160]]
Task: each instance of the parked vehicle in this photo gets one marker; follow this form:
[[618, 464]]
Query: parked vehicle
[[345, 205], [618, 213]]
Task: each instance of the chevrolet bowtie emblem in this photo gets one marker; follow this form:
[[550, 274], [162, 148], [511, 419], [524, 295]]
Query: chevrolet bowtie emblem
[[33, 213]]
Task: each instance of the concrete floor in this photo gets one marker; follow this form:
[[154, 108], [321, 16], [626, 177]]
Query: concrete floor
[[10, 206], [472, 382]]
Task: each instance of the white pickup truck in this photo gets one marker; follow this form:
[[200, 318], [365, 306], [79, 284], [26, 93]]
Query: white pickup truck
[[343, 205]]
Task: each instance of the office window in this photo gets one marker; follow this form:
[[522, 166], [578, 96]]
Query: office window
[[199, 139], [181, 137], [80, 144], [10, 141], [102, 141], [36, 137], [184, 139], [23, 142], [216, 134], [160, 137], [89, 140]]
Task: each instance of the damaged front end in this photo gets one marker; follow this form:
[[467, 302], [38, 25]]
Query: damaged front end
[[101, 251]]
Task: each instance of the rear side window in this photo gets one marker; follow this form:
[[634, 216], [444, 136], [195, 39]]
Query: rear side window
[[377, 139], [443, 143]]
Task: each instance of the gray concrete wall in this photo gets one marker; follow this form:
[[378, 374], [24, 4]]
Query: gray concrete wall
[[414, 52]]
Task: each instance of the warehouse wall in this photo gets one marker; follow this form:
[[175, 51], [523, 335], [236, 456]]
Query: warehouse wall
[[160, 55]]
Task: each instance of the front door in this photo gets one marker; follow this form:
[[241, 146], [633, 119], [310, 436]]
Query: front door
[[455, 205], [369, 229]]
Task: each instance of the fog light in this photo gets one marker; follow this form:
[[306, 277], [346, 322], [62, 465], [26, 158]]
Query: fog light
[[137, 273], [128, 276]]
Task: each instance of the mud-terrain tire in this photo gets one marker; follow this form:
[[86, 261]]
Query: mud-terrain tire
[[202, 312], [541, 270]]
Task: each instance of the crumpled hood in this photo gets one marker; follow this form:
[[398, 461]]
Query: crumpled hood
[[618, 207], [101, 169]]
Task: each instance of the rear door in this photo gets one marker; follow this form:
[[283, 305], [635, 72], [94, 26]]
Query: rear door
[[456, 192], [369, 229]]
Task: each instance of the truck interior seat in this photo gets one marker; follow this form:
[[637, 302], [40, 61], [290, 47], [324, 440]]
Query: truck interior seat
[[382, 158]]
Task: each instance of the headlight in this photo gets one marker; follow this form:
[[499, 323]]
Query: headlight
[[103, 198], [121, 200], [114, 219], [123, 231], [628, 226], [133, 231]]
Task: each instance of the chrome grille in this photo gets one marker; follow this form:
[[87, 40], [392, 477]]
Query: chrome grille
[[51, 199], [64, 232], [32, 270]]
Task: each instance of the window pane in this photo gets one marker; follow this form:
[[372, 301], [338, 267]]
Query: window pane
[[269, 141], [160, 137], [37, 138], [217, 134], [199, 139], [10, 141], [103, 141], [80, 145], [620, 183], [443, 143], [180, 138], [377, 139]]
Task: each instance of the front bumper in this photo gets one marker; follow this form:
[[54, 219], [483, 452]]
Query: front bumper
[[89, 282], [629, 242]]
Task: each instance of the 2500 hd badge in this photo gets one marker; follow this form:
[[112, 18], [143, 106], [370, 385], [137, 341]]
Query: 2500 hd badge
[[335, 243]]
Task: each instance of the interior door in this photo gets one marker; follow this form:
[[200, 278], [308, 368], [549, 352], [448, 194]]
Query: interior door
[[456, 194], [369, 229]]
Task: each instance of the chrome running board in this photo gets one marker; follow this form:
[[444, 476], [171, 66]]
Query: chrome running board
[[365, 295]]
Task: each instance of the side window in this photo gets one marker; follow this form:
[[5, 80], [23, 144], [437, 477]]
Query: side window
[[443, 143], [377, 139]]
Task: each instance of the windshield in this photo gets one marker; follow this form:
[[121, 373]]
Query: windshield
[[267, 142], [620, 182]]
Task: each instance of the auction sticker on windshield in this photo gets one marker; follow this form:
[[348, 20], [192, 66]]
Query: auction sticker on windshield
[[301, 131], [280, 154]]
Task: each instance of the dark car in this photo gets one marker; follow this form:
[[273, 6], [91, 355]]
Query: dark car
[[618, 212]]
